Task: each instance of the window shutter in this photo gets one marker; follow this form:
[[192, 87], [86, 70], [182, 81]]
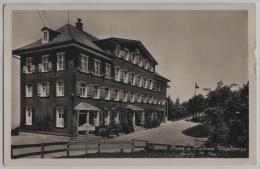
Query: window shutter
[[54, 88], [40, 67], [33, 117], [54, 117], [38, 89], [79, 62], [78, 88], [48, 88], [49, 66], [24, 69], [24, 116], [33, 68], [65, 117], [66, 87], [64, 62]]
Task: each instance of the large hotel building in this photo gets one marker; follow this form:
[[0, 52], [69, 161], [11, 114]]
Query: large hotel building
[[71, 79]]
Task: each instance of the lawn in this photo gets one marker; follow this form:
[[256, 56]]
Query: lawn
[[200, 130]]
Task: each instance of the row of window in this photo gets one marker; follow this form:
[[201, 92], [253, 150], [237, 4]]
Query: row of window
[[133, 57], [43, 89], [59, 114], [45, 65], [89, 90], [59, 122], [120, 74]]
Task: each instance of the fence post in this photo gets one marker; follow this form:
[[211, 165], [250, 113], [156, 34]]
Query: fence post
[[68, 149], [12, 152], [86, 148], [42, 151], [146, 145], [121, 149], [98, 148], [133, 145]]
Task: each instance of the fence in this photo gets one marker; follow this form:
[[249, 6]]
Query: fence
[[68, 147]]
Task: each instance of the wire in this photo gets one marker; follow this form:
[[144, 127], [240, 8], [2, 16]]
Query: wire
[[38, 12], [46, 18]]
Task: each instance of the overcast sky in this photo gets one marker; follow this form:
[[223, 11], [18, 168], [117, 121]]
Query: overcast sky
[[190, 46]]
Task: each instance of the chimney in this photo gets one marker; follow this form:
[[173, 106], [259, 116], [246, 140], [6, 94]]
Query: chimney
[[79, 25]]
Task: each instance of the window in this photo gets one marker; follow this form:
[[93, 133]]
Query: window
[[137, 80], [145, 99], [132, 97], [130, 78], [163, 102], [122, 54], [29, 67], [84, 63], [122, 75], [151, 68], [136, 99], [108, 71], [140, 99], [128, 56], [117, 50], [140, 63], [43, 89], [45, 66], [61, 61], [151, 100], [45, 38], [117, 95], [83, 89], [28, 116], [95, 92], [159, 101], [113, 94], [147, 65], [151, 85], [60, 88], [125, 94], [60, 117], [125, 76], [132, 57], [117, 71], [136, 59], [96, 67], [102, 93], [155, 101], [121, 95], [29, 90], [107, 93], [142, 82]]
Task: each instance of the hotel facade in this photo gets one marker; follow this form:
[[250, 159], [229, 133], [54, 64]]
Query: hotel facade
[[71, 79]]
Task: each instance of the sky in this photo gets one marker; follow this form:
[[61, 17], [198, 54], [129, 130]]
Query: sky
[[190, 47]]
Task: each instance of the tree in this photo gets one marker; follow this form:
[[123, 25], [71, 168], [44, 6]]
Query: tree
[[195, 105], [227, 115]]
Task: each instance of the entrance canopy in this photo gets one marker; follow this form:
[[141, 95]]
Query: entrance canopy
[[85, 106], [134, 108]]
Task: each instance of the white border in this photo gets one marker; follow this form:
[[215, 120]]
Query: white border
[[180, 6]]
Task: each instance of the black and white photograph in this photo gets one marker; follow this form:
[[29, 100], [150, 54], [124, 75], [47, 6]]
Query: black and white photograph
[[135, 84]]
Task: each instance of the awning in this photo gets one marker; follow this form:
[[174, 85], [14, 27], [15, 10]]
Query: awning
[[135, 108], [85, 106]]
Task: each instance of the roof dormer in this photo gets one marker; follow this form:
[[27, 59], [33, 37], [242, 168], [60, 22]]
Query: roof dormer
[[48, 34]]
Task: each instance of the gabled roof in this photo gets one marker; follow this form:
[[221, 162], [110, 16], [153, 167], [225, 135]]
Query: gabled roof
[[129, 42], [161, 77], [64, 34]]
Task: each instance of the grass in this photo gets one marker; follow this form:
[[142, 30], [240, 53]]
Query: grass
[[200, 130]]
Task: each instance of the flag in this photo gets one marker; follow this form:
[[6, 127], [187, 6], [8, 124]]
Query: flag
[[196, 86]]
